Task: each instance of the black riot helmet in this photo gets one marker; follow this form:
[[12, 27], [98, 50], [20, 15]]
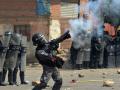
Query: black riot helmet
[[38, 39]]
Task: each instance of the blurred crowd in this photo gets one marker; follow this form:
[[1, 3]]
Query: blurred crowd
[[103, 52], [13, 47]]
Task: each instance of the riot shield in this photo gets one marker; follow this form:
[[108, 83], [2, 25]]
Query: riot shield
[[15, 39], [3, 49], [110, 56], [24, 41], [23, 51], [12, 53], [6, 40], [117, 62]]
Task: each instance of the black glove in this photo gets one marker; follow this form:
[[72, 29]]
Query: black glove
[[54, 45], [58, 62]]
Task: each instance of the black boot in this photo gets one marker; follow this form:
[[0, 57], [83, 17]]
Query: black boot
[[22, 77], [57, 85], [87, 64], [1, 83], [15, 76], [40, 86], [10, 77], [4, 75], [79, 66]]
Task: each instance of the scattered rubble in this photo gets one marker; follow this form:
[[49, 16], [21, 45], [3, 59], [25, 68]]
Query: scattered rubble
[[104, 73], [73, 81], [118, 71], [34, 83], [80, 75], [108, 83]]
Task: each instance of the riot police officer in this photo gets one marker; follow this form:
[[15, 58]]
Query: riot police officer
[[1, 62], [21, 61], [117, 48], [45, 53], [11, 57], [96, 52], [73, 57], [4, 44], [109, 53]]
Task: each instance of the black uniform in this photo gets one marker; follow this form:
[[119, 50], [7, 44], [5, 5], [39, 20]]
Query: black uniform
[[3, 51], [4, 44], [109, 52], [45, 53], [11, 57], [96, 51], [117, 49], [21, 61], [73, 56]]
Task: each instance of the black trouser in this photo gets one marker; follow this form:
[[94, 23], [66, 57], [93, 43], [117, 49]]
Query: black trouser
[[73, 57], [21, 74], [20, 65], [50, 72], [10, 75], [94, 62], [1, 77]]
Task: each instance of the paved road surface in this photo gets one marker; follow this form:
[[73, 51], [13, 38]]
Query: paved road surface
[[92, 80]]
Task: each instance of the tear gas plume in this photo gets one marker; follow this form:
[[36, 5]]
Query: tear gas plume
[[80, 32], [83, 29]]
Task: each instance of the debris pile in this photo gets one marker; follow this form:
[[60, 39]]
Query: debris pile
[[118, 71], [108, 83], [74, 81], [34, 83], [81, 75]]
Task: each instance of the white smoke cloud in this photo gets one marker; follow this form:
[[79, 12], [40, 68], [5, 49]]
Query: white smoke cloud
[[81, 31], [111, 8]]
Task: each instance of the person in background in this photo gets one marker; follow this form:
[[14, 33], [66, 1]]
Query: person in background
[[96, 51], [11, 57], [4, 40], [21, 61], [117, 47]]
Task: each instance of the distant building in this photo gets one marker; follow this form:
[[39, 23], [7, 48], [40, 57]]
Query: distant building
[[31, 16]]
